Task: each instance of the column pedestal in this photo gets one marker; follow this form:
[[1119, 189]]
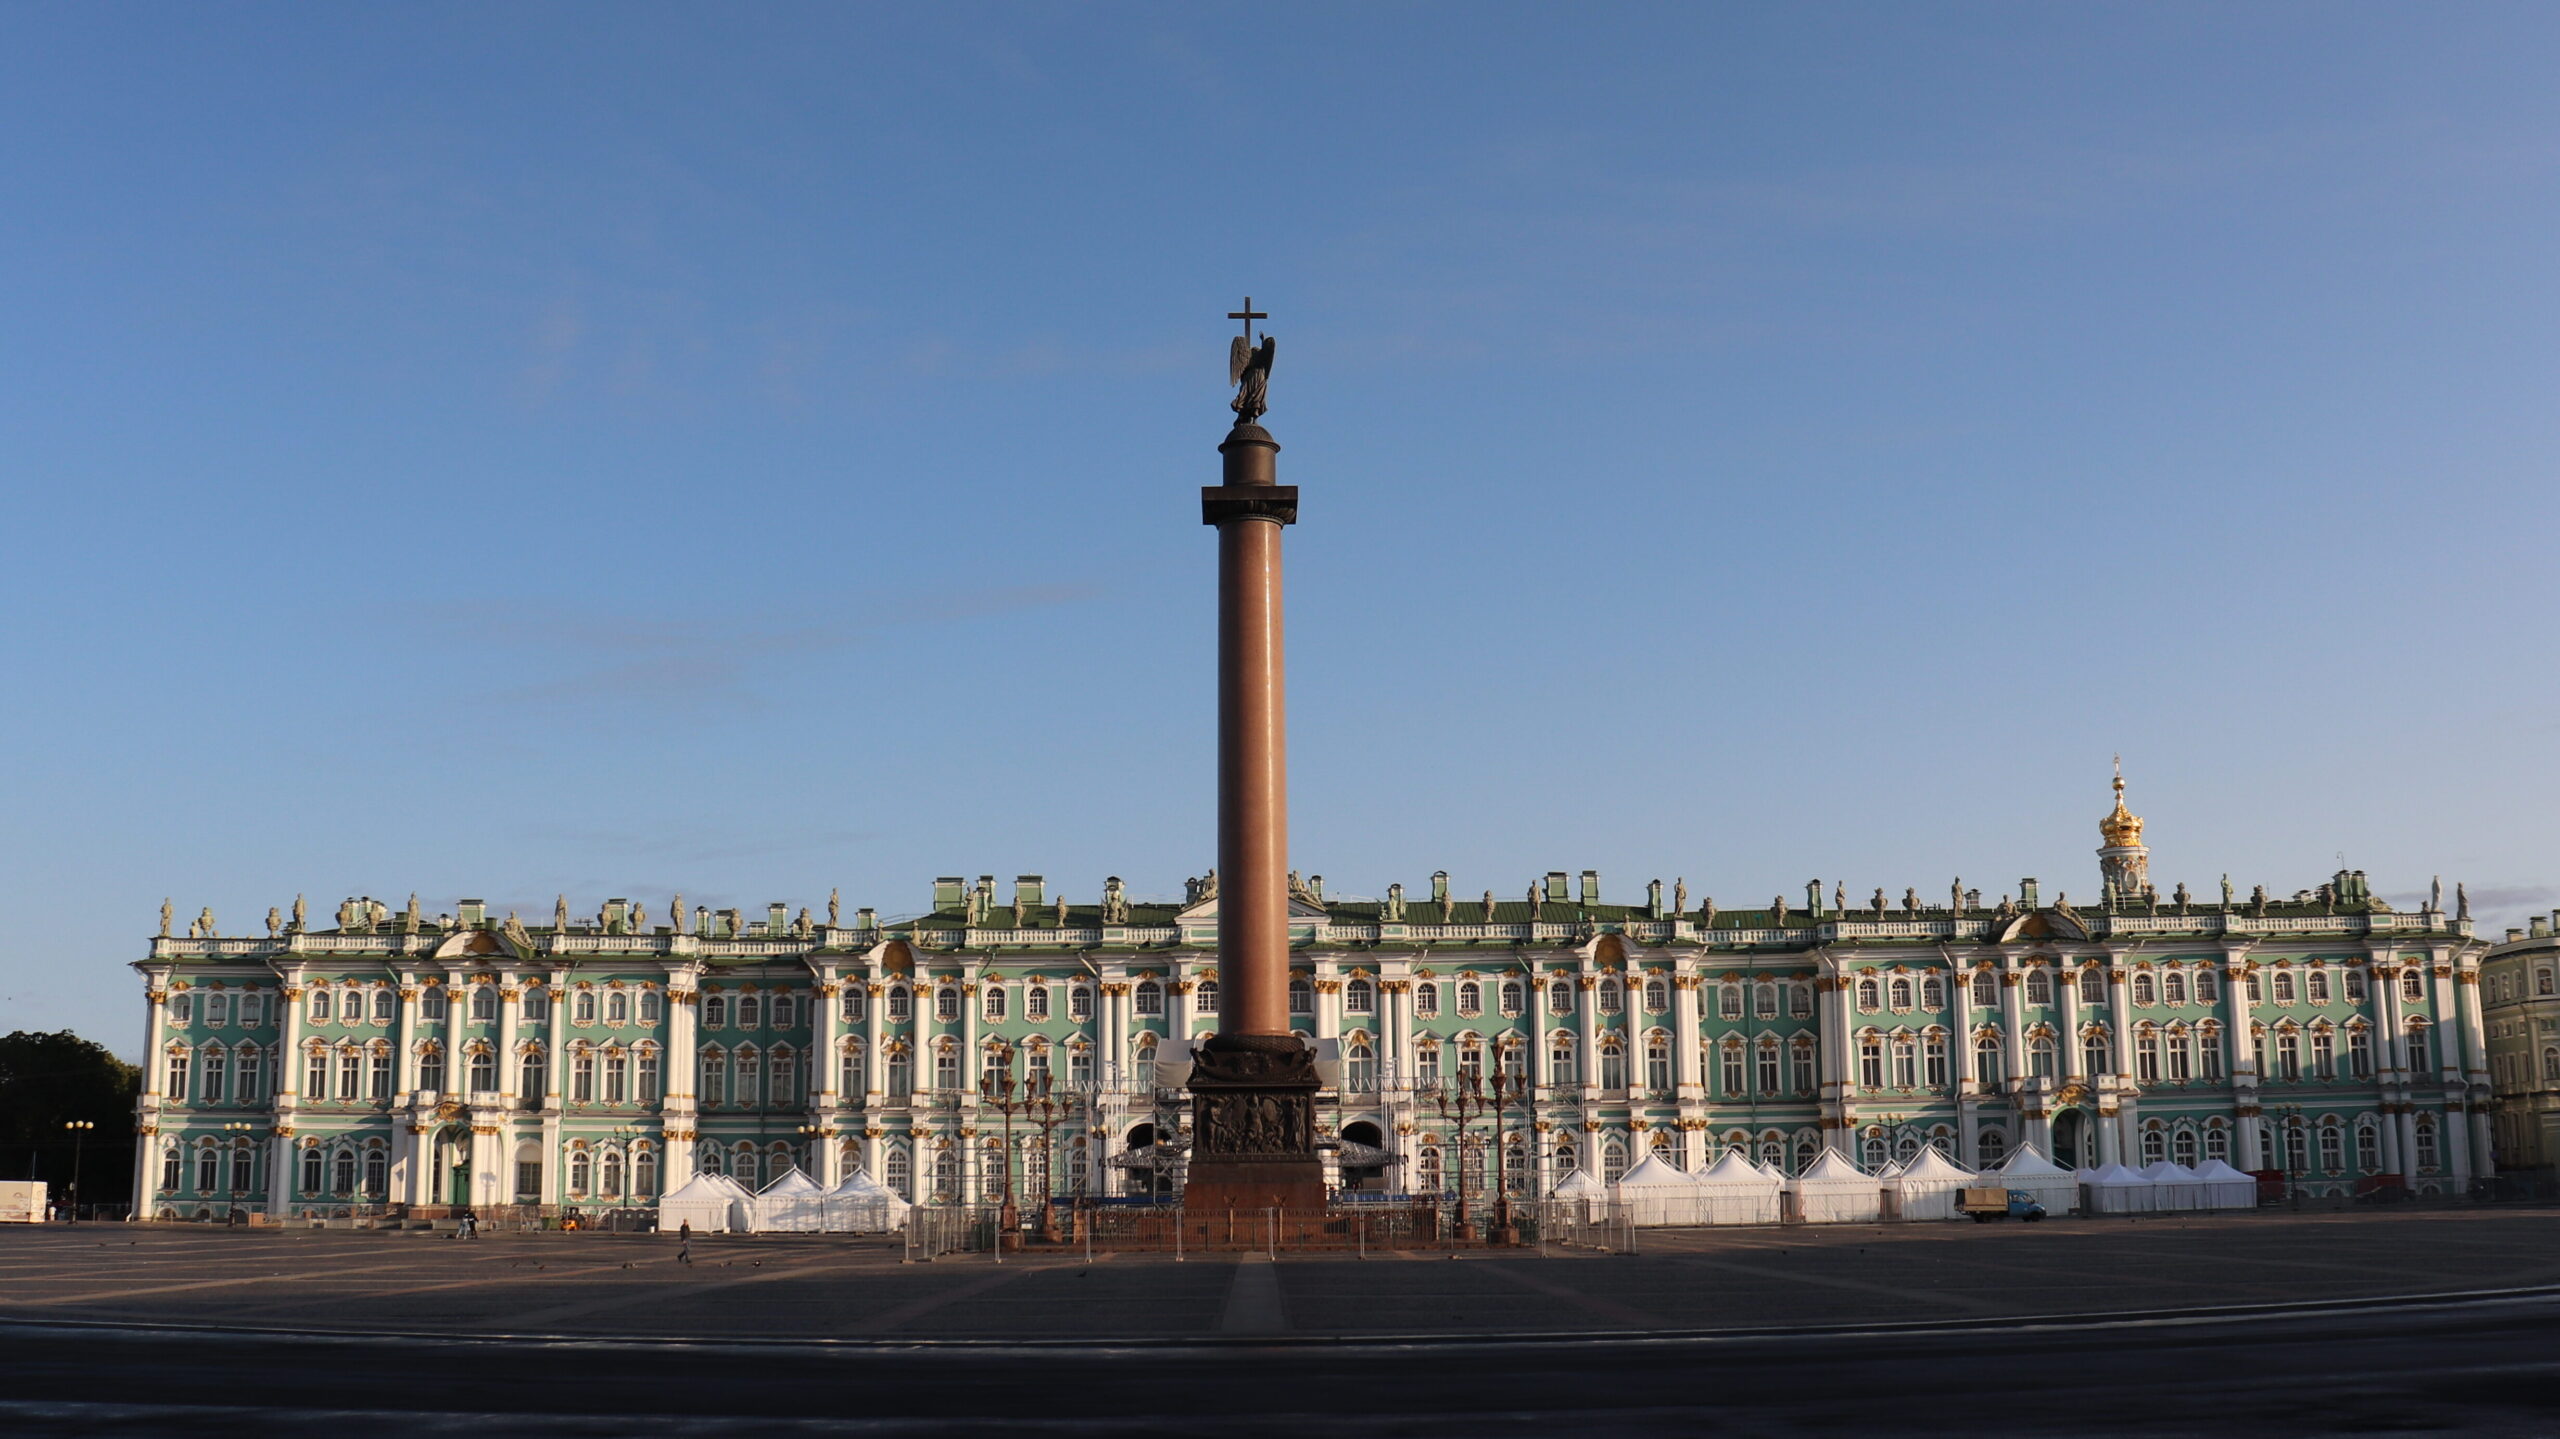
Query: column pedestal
[[1253, 1106]]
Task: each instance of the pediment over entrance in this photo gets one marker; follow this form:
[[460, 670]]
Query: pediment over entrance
[[1208, 909], [2043, 924]]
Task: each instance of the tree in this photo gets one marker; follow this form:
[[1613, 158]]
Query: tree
[[49, 1079]]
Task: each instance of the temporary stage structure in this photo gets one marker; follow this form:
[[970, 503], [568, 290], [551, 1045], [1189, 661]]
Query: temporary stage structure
[[2174, 1186], [708, 1202], [1738, 1191], [860, 1204], [1835, 1191], [2225, 1187], [2114, 1189], [2047, 1183], [1657, 1194], [789, 1205], [1926, 1186]]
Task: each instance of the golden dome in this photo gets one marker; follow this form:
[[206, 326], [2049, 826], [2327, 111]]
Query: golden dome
[[2122, 828]]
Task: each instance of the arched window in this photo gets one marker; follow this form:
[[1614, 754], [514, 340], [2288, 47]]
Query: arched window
[[312, 1177], [2146, 990], [902, 1004], [652, 1006], [1560, 997], [321, 1004], [1515, 996], [382, 1002], [2155, 1144], [1302, 995], [2217, 1140], [2413, 985], [751, 1008], [902, 1075], [1613, 995], [1933, 992], [2095, 1055], [2093, 985], [208, 1167], [377, 1172], [609, 1186], [2333, 1146], [2316, 985], [946, 1064], [1613, 1063], [995, 1002], [1613, 1158], [897, 1172], [431, 1067], [2040, 1054], [1872, 1151], [582, 1006], [2039, 987], [431, 1003], [1035, 1002], [946, 1173], [1935, 1046], [1359, 1067], [946, 1010], [582, 1171], [1866, 994], [484, 1072], [2368, 1146], [2542, 981], [1898, 993], [1204, 997], [1657, 994], [2283, 986], [1470, 997], [1986, 989], [1989, 1064], [2146, 1055], [2419, 1059], [617, 1007], [2173, 986], [1563, 1062], [1993, 1145], [1150, 998], [2208, 986], [2182, 1147], [484, 1004]]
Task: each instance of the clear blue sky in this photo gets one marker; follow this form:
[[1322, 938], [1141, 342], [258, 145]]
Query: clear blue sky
[[619, 449]]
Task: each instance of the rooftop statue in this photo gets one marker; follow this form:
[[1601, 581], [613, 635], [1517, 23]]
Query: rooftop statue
[[1488, 906], [166, 914], [514, 931], [560, 914], [1680, 896], [275, 921], [204, 922], [409, 918], [835, 909], [1393, 912], [301, 914]]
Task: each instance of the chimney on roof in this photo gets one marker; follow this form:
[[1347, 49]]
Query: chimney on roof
[[950, 892], [1591, 886], [1556, 886]]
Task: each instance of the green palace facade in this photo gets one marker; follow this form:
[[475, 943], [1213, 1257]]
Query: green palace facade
[[464, 1059]]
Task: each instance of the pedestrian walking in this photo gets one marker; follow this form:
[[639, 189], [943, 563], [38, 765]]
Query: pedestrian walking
[[684, 1242]]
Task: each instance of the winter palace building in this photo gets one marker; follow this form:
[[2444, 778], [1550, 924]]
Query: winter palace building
[[452, 1060]]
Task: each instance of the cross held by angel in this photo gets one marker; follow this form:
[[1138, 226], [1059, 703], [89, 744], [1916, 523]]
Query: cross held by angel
[[1249, 366]]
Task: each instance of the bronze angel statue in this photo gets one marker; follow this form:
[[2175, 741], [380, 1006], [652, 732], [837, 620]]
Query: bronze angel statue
[[1249, 370]]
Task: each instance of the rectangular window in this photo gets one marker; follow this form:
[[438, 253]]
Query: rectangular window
[[1871, 1064], [1803, 1067], [2181, 1060], [315, 1076], [616, 1078], [849, 1003], [786, 1079], [2209, 1051], [350, 1074], [582, 1078], [748, 1087], [2324, 1054], [174, 1077], [648, 1079], [1906, 1069], [217, 1068], [1937, 1061], [252, 1081], [1733, 1076], [2146, 1058]]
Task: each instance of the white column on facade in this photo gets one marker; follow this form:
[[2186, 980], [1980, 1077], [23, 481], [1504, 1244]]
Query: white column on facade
[[289, 1042], [2475, 1064], [2248, 1128], [509, 996], [2119, 1016], [1685, 992], [1586, 1006], [554, 1169], [155, 1078], [680, 1111], [2074, 1066], [875, 1062], [2013, 1019], [824, 1085], [2390, 1054], [404, 1042], [1541, 1073], [971, 1000]]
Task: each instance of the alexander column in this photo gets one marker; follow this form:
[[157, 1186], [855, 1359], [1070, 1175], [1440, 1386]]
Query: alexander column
[[1253, 1083]]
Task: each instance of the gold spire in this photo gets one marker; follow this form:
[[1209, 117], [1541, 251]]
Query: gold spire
[[2122, 828]]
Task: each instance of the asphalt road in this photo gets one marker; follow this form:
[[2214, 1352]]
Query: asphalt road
[[2437, 1367]]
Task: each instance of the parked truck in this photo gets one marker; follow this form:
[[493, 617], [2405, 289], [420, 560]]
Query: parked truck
[[1988, 1204]]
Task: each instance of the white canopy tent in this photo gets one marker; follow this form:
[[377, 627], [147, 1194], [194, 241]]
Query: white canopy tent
[[2174, 1186], [708, 1202], [2225, 1187], [1738, 1191], [2047, 1183], [1657, 1194], [1925, 1186], [1835, 1191], [789, 1205], [2114, 1189], [862, 1205]]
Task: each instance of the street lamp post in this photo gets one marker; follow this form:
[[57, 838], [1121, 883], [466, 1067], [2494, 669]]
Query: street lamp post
[[242, 1127], [79, 1132], [1508, 1090], [1461, 1101]]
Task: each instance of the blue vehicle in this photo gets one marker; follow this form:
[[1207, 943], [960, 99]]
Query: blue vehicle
[[1988, 1204]]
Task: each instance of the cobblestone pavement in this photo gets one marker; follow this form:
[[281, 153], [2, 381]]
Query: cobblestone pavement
[[823, 1287]]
